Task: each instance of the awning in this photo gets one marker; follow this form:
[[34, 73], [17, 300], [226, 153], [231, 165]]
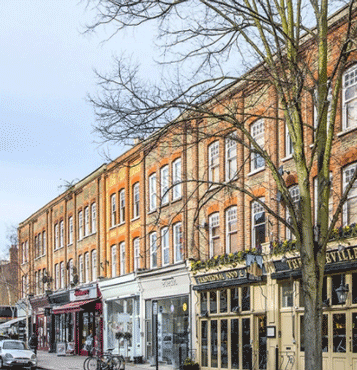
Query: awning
[[9, 323], [73, 306]]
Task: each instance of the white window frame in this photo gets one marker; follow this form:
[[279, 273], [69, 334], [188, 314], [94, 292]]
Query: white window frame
[[56, 236], [57, 276], [61, 226], [289, 149], [70, 230], [164, 184], [94, 217], [86, 221], [295, 196], [136, 245], [176, 179], [44, 240], [165, 246], [81, 268], [86, 267], [122, 258], [349, 84], [113, 210], [231, 158], [153, 249], [62, 275], [94, 265], [152, 192], [80, 225], [347, 176], [178, 242], [114, 260], [213, 162], [122, 206], [231, 219], [256, 208], [257, 130], [136, 200], [70, 270], [213, 222]]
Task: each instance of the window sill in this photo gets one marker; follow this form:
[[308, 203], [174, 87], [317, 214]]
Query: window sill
[[121, 223], [254, 172], [135, 219], [70, 245], [39, 257], [346, 131], [55, 250], [176, 200], [152, 211], [287, 158], [113, 227]]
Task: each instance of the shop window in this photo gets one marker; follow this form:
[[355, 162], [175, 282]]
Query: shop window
[[354, 332], [246, 350], [214, 344], [324, 333], [234, 300], [258, 224], [223, 300], [246, 298], [224, 344], [339, 332], [203, 301], [212, 301], [287, 294], [204, 343], [354, 288], [234, 344], [337, 280]]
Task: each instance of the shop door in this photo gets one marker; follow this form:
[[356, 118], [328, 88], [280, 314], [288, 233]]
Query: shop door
[[260, 343]]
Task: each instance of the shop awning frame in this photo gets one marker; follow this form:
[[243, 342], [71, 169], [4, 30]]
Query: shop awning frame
[[75, 306], [8, 324]]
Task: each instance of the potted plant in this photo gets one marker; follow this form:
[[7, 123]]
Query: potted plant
[[189, 364], [119, 335], [127, 336]]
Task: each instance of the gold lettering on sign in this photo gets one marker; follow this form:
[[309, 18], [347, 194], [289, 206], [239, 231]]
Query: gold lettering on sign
[[355, 252], [333, 256], [328, 259], [349, 254]]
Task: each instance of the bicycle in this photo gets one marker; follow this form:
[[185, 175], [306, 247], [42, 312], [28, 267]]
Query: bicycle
[[107, 361]]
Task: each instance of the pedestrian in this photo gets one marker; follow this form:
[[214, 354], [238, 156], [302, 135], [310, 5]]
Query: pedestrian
[[33, 342]]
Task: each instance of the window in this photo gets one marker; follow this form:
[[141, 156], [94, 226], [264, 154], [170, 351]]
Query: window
[[295, 196], [70, 270], [56, 237], [231, 158], [39, 246], [164, 185], [165, 244], [94, 265], [114, 260], [44, 242], [152, 192], [289, 150], [62, 274], [257, 133], [349, 98], [86, 266], [57, 276], [70, 230], [61, 234], [349, 208], [136, 202], [136, 243], [213, 162], [122, 205], [153, 250], [80, 225], [231, 230], [36, 282], [287, 294], [214, 234], [258, 224], [176, 179], [94, 217], [113, 203], [81, 268], [178, 242], [122, 258], [86, 221]]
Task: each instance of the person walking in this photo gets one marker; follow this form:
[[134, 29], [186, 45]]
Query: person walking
[[33, 342]]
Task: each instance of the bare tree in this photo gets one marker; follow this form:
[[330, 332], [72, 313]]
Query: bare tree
[[286, 49]]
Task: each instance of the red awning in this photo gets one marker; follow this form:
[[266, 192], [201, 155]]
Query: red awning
[[72, 306]]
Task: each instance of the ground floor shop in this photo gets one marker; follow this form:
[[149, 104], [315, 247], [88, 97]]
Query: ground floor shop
[[41, 320]]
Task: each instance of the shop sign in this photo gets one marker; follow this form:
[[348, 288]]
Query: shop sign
[[222, 276], [84, 293], [348, 254], [168, 283]]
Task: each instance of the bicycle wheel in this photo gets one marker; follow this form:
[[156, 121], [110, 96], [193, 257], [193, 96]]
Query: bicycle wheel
[[116, 363], [93, 364], [85, 363]]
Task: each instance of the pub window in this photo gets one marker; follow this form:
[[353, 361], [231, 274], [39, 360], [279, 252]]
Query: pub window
[[213, 301], [234, 344], [335, 284], [234, 300], [354, 332], [354, 288], [287, 294], [223, 302], [247, 349], [339, 332], [302, 334], [214, 344], [203, 297], [324, 333], [224, 344], [246, 298], [204, 343]]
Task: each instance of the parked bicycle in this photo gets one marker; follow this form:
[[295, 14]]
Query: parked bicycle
[[107, 361]]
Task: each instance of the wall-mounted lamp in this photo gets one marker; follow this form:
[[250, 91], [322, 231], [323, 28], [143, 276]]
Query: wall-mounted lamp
[[341, 247], [342, 291]]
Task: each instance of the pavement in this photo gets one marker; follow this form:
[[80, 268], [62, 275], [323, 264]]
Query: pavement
[[50, 361]]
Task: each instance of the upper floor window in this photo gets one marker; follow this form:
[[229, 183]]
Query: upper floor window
[[36, 282], [213, 162], [214, 244], [113, 204], [122, 206], [114, 260], [231, 230], [349, 208], [80, 225], [70, 230], [178, 246], [57, 276], [164, 172], [136, 243], [231, 158], [153, 250], [62, 274], [94, 265], [70, 271], [165, 245], [287, 294], [258, 224], [86, 266], [56, 237], [81, 268], [152, 192], [289, 149], [94, 217], [39, 247], [86, 221], [295, 196], [122, 258], [349, 98], [61, 234], [257, 133], [176, 179], [136, 202], [44, 245]]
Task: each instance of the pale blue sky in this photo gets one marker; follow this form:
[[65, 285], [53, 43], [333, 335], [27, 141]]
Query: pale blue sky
[[46, 71]]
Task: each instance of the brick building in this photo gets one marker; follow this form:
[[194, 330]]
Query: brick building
[[9, 279]]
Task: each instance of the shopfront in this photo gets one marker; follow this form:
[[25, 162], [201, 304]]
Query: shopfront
[[40, 306], [167, 294], [121, 299], [75, 321]]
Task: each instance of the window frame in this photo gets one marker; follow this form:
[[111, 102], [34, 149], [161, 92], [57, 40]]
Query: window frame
[[152, 192], [165, 246], [113, 254], [136, 200], [94, 217], [352, 193], [213, 162], [113, 210], [177, 179], [231, 160], [122, 258], [81, 268], [70, 230], [255, 204], [213, 222], [345, 102], [86, 221], [80, 225], [94, 264], [136, 247], [164, 184], [259, 138], [178, 242], [228, 218], [153, 249]]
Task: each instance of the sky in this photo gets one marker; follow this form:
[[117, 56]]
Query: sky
[[46, 122]]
